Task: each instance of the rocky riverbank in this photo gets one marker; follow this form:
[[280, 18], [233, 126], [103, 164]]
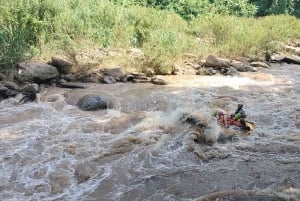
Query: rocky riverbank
[[32, 77]]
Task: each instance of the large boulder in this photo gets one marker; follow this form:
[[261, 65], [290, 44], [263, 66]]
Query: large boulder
[[92, 102], [286, 59], [37, 72], [292, 59], [63, 66], [212, 61], [116, 73]]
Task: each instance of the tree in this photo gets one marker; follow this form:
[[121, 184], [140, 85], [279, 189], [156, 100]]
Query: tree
[[268, 7], [233, 7]]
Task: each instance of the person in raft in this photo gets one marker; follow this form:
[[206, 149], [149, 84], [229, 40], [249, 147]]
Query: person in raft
[[237, 118], [240, 115]]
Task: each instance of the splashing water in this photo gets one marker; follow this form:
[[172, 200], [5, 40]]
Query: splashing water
[[142, 150]]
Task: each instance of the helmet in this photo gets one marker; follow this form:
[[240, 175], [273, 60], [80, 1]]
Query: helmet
[[240, 105]]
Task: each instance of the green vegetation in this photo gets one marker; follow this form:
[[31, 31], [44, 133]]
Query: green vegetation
[[165, 30]]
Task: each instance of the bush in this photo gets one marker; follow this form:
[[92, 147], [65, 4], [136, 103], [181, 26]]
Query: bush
[[44, 27], [237, 36], [23, 27]]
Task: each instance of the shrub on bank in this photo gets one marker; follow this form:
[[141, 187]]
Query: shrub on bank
[[43, 28]]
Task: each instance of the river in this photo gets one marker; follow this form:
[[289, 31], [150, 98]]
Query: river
[[140, 149]]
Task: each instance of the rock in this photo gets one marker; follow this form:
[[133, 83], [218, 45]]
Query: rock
[[286, 59], [8, 89], [128, 78], [69, 77], [201, 71], [294, 43], [260, 64], [62, 81], [93, 79], [176, 70], [3, 93], [292, 59], [206, 71], [210, 71], [29, 92], [231, 71], [140, 76], [196, 66], [72, 85], [291, 49], [38, 72], [63, 66], [10, 85], [140, 81], [158, 81], [114, 72], [277, 58], [212, 61], [92, 102], [241, 67], [108, 80]]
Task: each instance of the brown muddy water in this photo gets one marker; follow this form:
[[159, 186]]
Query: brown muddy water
[[141, 150]]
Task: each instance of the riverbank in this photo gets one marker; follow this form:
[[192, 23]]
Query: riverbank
[[35, 30]]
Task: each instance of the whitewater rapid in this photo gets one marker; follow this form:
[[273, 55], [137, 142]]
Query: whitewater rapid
[[141, 150]]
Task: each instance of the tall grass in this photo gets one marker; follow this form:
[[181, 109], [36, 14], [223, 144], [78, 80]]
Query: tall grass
[[43, 27]]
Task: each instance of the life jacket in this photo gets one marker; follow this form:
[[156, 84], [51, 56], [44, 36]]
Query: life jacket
[[230, 120], [239, 113]]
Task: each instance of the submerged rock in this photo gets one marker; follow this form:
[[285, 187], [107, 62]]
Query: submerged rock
[[92, 102]]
